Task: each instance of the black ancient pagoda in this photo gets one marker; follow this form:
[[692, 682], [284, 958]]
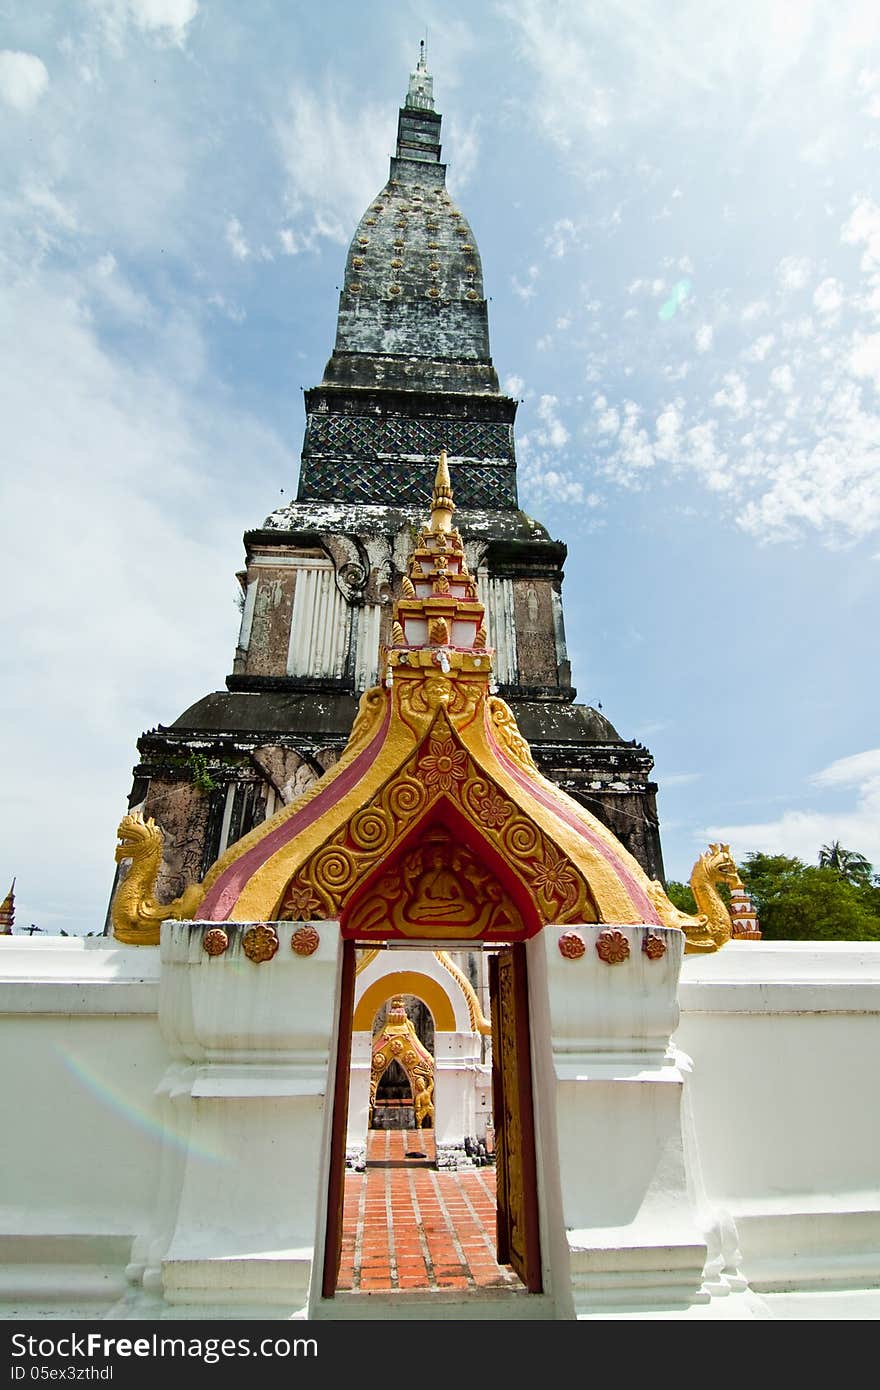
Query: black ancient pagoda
[[410, 374]]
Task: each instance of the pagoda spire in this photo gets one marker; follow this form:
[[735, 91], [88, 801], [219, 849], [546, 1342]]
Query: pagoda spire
[[439, 620], [420, 96], [7, 912], [418, 126], [442, 505]]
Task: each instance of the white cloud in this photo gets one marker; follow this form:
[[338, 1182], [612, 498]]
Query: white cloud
[[733, 395], [235, 239], [864, 359], [775, 59], [828, 296], [859, 769], [561, 238], [609, 418], [166, 21], [758, 350], [462, 148], [794, 272], [169, 18], [106, 515], [528, 289], [783, 379], [862, 228], [554, 435], [635, 453], [334, 148], [802, 832], [23, 79], [668, 428], [703, 338], [112, 288], [514, 386]]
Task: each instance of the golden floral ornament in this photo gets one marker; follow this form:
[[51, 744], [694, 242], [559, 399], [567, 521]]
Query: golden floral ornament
[[443, 764], [654, 946], [612, 947], [571, 945], [302, 904], [215, 941], [260, 943], [555, 879], [493, 810], [305, 941]]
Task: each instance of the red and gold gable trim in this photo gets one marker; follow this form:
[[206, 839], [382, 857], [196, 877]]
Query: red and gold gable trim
[[442, 850]]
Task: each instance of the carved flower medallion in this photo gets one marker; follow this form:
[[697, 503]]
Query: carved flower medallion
[[260, 943], [612, 947], [305, 941], [443, 765], [571, 945], [653, 946], [493, 810], [215, 941]]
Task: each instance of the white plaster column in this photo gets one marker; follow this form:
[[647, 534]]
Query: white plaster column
[[359, 1075], [245, 1207], [496, 595], [456, 1068], [609, 1117]]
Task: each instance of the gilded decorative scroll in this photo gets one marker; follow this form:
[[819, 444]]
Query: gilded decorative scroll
[[438, 886]]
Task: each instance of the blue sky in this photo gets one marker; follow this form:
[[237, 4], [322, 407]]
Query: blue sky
[[678, 212]]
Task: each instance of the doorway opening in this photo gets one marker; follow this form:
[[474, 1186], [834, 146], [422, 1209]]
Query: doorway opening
[[405, 1219]]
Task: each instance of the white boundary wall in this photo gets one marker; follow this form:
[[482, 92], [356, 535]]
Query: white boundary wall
[[784, 1097]]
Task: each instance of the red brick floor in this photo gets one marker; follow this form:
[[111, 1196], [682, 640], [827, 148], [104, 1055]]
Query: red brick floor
[[407, 1225]]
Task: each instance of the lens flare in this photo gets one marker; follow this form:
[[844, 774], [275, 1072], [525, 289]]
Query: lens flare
[[112, 1098], [679, 294]]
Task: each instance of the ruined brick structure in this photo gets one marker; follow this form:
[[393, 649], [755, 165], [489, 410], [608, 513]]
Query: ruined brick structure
[[411, 373]]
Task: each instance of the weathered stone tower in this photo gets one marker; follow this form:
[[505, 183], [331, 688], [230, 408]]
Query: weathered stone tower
[[410, 374]]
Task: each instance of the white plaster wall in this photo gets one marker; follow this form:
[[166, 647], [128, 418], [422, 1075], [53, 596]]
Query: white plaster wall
[[785, 1097], [81, 1128]]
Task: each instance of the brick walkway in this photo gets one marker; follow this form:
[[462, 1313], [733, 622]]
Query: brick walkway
[[407, 1225]]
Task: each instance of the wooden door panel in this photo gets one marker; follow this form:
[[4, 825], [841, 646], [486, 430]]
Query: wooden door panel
[[516, 1169], [336, 1183]]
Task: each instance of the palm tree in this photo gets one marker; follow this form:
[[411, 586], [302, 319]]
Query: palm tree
[[851, 865]]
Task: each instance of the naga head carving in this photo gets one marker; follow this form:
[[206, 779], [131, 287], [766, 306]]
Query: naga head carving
[[719, 862], [137, 837]]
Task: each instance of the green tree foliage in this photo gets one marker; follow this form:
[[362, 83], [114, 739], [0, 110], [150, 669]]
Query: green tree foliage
[[681, 896], [851, 865], [799, 902]]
